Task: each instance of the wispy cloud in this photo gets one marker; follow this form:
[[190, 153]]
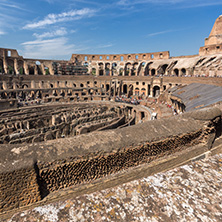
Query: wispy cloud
[[164, 32], [10, 15], [62, 17], [2, 32], [59, 32], [105, 46], [48, 49], [159, 33]]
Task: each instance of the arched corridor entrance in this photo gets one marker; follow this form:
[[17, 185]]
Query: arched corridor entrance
[[156, 91], [176, 72], [1, 66], [153, 72], [125, 89]]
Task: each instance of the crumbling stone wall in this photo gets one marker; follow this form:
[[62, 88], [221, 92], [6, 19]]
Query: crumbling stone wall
[[58, 175], [18, 188]]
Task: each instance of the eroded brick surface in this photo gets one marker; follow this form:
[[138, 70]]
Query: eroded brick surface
[[189, 193]]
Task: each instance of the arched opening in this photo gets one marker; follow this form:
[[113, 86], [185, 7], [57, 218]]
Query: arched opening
[[4, 95], [147, 69], [127, 69], [107, 69], [31, 70], [11, 69], [74, 85], [93, 71], [183, 72], [153, 72], [1, 66], [176, 72], [81, 85], [125, 89], [25, 86], [162, 69], [137, 91], [130, 90], [46, 70], [143, 91], [120, 71], [107, 87], [134, 69], [156, 91], [114, 66], [86, 64], [20, 67], [101, 69]]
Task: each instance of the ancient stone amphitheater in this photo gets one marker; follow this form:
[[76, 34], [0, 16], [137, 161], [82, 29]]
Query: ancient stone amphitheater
[[69, 128]]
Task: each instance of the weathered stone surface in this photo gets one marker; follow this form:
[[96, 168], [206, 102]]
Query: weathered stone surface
[[191, 192]]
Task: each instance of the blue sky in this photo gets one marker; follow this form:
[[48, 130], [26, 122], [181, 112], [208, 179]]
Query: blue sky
[[55, 29]]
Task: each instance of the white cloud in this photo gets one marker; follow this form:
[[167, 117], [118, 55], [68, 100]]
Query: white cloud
[[59, 32], [62, 17], [56, 48], [159, 33], [2, 32], [105, 46]]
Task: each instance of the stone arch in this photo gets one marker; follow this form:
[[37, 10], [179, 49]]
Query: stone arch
[[21, 67], [11, 68], [101, 69], [156, 91], [121, 71], [153, 72], [38, 67], [31, 70], [162, 69], [107, 68], [25, 86], [143, 91], [147, 69], [125, 88], [130, 90], [183, 72], [127, 69], [86, 64], [93, 71], [176, 72], [39, 94], [114, 68], [134, 69], [1, 66], [46, 70], [137, 91], [107, 87], [4, 95]]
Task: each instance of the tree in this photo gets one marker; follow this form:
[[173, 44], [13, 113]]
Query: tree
[[47, 71], [21, 72], [10, 70]]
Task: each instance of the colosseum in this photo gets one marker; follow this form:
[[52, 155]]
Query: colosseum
[[97, 123]]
